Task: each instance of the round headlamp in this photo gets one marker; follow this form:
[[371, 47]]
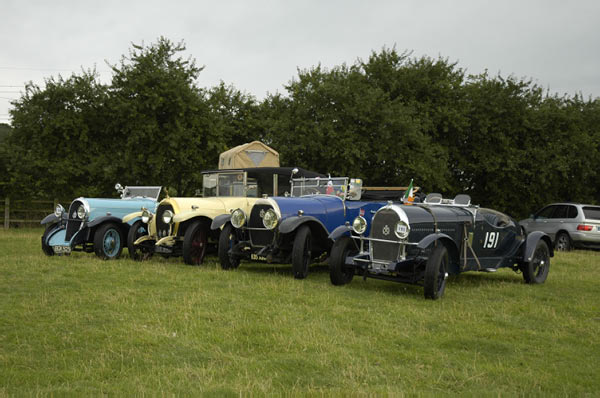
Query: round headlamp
[[81, 212], [238, 218], [146, 216], [402, 229], [167, 216], [59, 210], [270, 219], [359, 225]]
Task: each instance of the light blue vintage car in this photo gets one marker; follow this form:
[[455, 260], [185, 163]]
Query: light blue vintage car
[[95, 225]]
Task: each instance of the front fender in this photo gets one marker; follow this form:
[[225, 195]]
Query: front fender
[[446, 240], [132, 216], [220, 220], [50, 219], [291, 223], [101, 220], [532, 240], [340, 231]]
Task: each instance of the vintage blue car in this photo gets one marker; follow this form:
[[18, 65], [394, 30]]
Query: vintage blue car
[[425, 242], [95, 225], [293, 229]]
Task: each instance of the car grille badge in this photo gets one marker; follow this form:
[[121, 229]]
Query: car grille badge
[[386, 230], [74, 215], [262, 213]]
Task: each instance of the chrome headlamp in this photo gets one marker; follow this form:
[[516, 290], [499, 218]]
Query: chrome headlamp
[[238, 218], [146, 216], [59, 210], [359, 225], [402, 230], [270, 219], [167, 217], [81, 212]]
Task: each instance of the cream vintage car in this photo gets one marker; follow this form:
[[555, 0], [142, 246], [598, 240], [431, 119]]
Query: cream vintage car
[[181, 226]]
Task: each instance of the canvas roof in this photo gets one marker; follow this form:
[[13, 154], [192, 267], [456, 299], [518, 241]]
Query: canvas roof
[[251, 154]]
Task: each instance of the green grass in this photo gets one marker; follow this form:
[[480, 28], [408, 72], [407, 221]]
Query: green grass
[[72, 325]]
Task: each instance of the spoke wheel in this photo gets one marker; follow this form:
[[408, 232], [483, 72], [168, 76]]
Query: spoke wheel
[[301, 252], [108, 242], [227, 240], [436, 272], [136, 231], [194, 243], [341, 273], [536, 271]]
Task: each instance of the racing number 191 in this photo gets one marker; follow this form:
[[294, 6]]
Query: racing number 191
[[491, 240]]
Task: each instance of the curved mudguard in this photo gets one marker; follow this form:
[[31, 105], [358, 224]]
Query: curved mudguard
[[220, 220], [291, 223], [50, 219], [450, 244], [340, 231], [132, 216], [101, 220], [532, 240]]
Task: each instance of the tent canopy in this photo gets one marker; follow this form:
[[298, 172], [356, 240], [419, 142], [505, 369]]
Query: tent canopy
[[252, 154]]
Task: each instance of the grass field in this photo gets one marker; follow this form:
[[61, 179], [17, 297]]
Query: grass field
[[73, 325]]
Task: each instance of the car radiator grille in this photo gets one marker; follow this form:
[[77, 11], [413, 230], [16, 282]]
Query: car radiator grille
[[263, 237], [73, 223], [162, 229], [382, 227]]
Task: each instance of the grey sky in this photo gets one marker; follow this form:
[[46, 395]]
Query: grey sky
[[258, 45]]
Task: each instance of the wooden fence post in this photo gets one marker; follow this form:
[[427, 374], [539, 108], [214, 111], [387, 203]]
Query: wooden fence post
[[6, 212]]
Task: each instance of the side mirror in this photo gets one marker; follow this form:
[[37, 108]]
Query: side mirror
[[355, 189]]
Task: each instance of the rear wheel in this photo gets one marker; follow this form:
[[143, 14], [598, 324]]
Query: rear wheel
[[108, 242], [301, 252], [339, 272], [536, 270], [436, 272], [136, 231], [227, 240], [194, 243], [563, 242]]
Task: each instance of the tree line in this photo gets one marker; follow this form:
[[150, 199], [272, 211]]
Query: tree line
[[387, 119]]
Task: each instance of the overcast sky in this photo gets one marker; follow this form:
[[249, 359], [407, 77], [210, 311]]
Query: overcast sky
[[258, 45]]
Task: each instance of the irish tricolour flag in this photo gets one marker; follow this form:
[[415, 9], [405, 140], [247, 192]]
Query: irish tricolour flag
[[409, 197]]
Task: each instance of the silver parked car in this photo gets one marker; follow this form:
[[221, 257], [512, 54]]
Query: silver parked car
[[568, 225]]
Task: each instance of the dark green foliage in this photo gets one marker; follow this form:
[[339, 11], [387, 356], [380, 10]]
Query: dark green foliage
[[387, 119]]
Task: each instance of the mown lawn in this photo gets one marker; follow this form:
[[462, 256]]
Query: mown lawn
[[80, 325]]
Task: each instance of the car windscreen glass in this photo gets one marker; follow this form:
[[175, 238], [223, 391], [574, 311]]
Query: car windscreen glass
[[320, 186], [141, 192], [591, 213], [230, 184], [209, 185], [263, 184]]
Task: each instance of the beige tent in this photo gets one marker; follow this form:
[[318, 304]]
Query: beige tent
[[252, 154]]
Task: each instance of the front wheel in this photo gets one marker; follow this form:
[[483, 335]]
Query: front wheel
[[136, 231], [227, 240], [194, 243], [301, 252], [341, 273], [108, 242], [436, 272], [536, 270], [563, 242]]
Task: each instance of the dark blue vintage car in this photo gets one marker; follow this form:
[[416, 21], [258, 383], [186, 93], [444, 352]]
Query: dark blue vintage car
[[425, 242], [293, 229], [95, 225]]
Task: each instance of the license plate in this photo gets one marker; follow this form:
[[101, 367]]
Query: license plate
[[161, 249], [256, 257], [61, 249]]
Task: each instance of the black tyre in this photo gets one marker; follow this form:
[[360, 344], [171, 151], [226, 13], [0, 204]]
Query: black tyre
[[47, 249], [436, 272], [226, 241], [301, 252], [136, 231], [562, 242], [339, 272], [536, 270], [108, 242], [194, 243]]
